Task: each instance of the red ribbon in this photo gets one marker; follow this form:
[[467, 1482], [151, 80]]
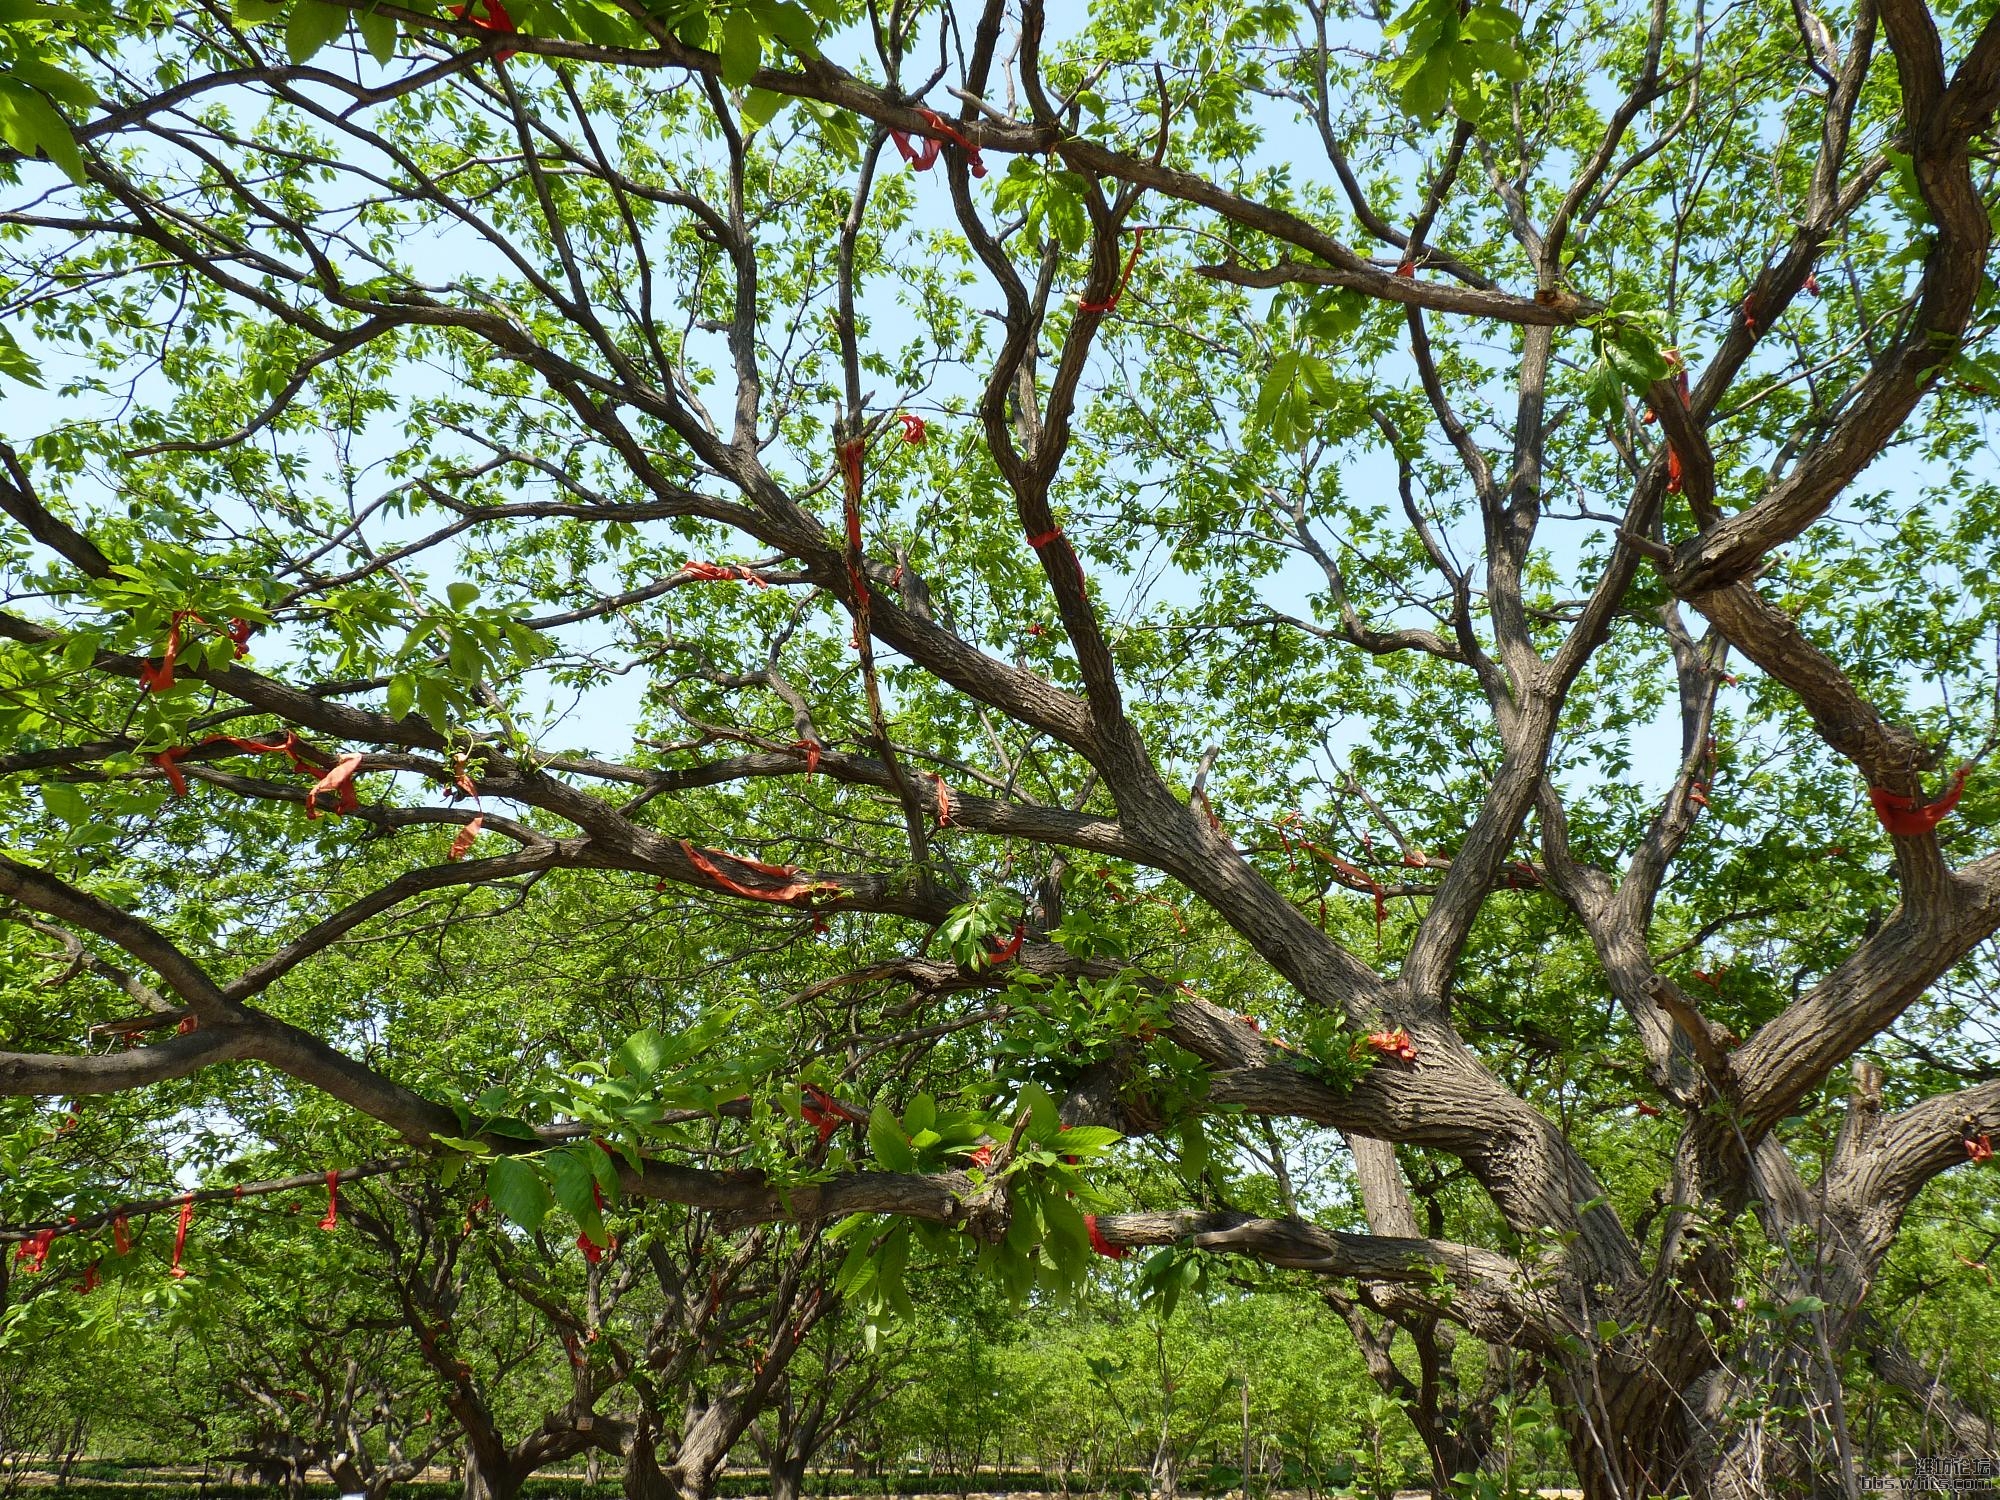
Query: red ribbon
[[1979, 1148], [495, 18], [121, 1235], [1054, 534], [708, 572], [943, 801], [1010, 950], [914, 431], [1673, 456], [340, 782], [1812, 284], [1138, 242], [1912, 817], [157, 677], [1651, 1111], [1396, 1044], [240, 631], [332, 1219], [33, 1252], [1407, 270], [981, 1157], [90, 1280], [592, 1251], [923, 158], [1749, 313], [821, 1111], [810, 749], [462, 844], [1098, 1242], [793, 890], [181, 1236], [168, 761]]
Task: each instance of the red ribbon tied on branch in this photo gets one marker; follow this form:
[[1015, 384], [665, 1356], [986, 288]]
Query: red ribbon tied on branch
[[33, 1252], [332, 1220], [178, 1271], [461, 787], [1010, 950], [337, 783], [811, 750], [943, 800], [1098, 1242], [157, 677], [709, 572], [1912, 817], [822, 1111], [1979, 1148], [923, 158], [1396, 1044], [1111, 302], [592, 1251], [492, 17], [121, 1235], [915, 433], [794, 889]]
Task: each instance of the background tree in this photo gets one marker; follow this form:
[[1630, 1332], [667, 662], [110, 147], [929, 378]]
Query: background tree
[[1344, 519]]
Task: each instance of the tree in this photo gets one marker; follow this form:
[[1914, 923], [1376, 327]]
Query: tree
[[1346, 518]]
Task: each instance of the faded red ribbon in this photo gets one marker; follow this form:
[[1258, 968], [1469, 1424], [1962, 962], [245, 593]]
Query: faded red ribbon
[[793, 890], [178, 1271], [708, 572], [1396, 1044], [914, 431], [494, 18], [1979, 1148], [943, 801], [90, 1281], [340, 782], [121, 1235], [923, 158], [811, 750], [240, 631], [332, 1219], [462, 787], [981, 1157], [1912, 817], [1111, 302], [1098, 1242]]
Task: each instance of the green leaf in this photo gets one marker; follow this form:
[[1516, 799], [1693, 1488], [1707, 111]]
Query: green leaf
[[379, 32], [742, 50], [761, 106], [256, 12], [310, 26], [921, 1115], [885, 1140], [518, 1192], [643, 1054], [461, 595], [15, 363], [33, 126]]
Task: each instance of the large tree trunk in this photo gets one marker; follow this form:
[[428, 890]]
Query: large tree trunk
[[490, 1479], [788, 1477]]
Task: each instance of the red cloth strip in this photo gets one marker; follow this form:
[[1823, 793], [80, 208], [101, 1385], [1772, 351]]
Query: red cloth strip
[[810, 749], [181, 1235], [33, 1252], [462, 844], [1407, 270], [1396, 1044], [1912, 817], [1979, 1148], [240, 631], [914, 431], [340, 782], [121, 1235], [821, 1111], [1098, 1242], [592, 1251], [168, 761], [923, 158], [794, 890], [90, 1282], [1010, 950], [157, 677], [1138, 243], [493, 17], [943, 801], [332, 1219], [708, 572]]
